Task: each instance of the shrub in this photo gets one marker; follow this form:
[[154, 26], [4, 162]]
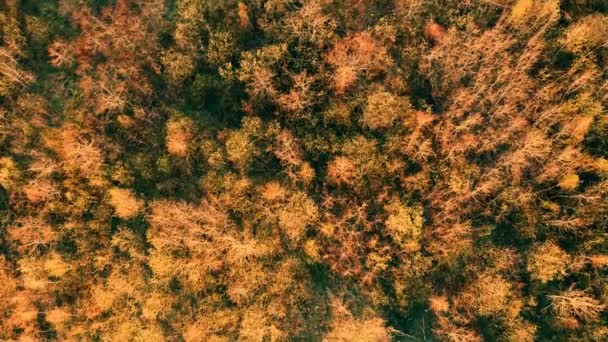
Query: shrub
[[434, 32]]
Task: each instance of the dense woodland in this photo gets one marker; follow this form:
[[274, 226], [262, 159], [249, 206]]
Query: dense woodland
[[312, 170]]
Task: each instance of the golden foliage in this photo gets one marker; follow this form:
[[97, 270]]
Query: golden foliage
[[588, 33], [220, 49], [256, 70], [243, 13], [58, 317], [569, 182], [11, 76], [125, 204], [520, 9], [547, 262], [157, 305], [451, 331], [598, 260], [602, 165], [576, 304], [33, 274], [180, 132], [288, 149], [273, 191], [61, 54], [206, 329], [355, 55], [529, 11], [449, 241], [40, 190], [404, 224], [255, 327], [78, 152], [383, 110], [434, 32], [300, 96], [311, 23], [350, 329], [176, 223], [306, 173], [241, 146], [178, 65], [439, 304], [297, 214], [522, 331], [341, 170], [31, 234], [489, 295], [311, 249], [55, 266], [9, 173], [451, 158]]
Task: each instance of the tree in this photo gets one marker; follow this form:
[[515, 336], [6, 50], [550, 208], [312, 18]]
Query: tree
[[31, 235], [589, 33], [357, 54], [241, 145], [257, 73], [179, 136], [548, 262], [271, 170], [125, 204], [383, 110], [9, 173], [178, 65], [301, 95], [348, 328], [489, 295], [341, 170], [11, 76], [404, 225], [576, 304], [297, 215], [310, 23]]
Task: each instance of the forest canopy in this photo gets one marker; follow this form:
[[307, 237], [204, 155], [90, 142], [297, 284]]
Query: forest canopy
[[303, 170]]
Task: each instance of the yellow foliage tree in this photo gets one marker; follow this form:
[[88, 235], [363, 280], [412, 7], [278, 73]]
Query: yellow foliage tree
[[548, 262], [125, 204]]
